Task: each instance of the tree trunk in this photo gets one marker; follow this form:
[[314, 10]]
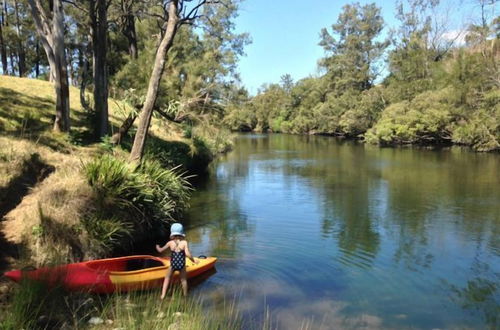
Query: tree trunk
[[83, 63], [21, 53], [98, 14], [154, 82], [128, 27], [131, 35], [37, 60], [61, 70], [3, 50], [52, 39], [122, 131]]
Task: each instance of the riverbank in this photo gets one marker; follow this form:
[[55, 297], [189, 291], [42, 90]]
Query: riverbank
[[452, 99], [66, 198]]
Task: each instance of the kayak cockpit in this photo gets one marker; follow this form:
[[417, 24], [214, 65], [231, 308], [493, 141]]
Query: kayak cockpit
[[125, 264]]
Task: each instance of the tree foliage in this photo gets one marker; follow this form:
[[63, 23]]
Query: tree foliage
[[435, 89]]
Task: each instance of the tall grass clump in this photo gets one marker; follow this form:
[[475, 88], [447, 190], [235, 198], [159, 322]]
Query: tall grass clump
[[34, 305], [131, 200]]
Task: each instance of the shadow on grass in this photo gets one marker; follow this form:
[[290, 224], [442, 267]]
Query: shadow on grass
[[32, 118]]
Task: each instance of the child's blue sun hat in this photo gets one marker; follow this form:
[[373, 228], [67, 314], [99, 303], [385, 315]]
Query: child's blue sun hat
[[177, 230]]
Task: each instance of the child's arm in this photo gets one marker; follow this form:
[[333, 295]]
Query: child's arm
[[161, 249], [188, 254]]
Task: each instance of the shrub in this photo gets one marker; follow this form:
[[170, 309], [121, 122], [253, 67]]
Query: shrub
[[131, 199], [425, 119], [481, 131]]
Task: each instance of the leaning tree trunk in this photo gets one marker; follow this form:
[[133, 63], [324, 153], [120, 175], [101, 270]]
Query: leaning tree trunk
[[52, 39], [154, 83], [99, 43], [124, 128]]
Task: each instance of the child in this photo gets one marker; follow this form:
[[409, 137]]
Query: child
[[179, 251]]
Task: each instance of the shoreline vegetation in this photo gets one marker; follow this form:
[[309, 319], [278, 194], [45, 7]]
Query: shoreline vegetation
[[435, 90]]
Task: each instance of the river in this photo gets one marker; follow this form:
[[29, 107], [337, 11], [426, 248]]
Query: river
[[315, 232]]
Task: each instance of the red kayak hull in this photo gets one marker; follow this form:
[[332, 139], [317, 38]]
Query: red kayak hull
[[111, 275]]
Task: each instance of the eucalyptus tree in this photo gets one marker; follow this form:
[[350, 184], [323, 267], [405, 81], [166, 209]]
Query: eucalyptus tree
[[98, 12], [352, 47], [49, 23], [174, 14], [412, 59]]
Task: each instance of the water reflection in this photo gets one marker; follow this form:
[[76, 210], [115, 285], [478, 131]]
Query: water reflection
[[382, 237]]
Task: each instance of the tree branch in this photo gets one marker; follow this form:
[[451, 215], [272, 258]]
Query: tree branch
[[74, 4]]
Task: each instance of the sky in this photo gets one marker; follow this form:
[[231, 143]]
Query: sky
[[285, 34]]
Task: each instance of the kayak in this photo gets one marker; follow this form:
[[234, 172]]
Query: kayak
[[121, 274]]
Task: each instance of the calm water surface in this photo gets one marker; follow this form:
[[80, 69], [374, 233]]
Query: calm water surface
[[328, 234]]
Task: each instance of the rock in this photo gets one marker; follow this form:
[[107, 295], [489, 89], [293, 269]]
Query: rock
[[109, 322], [95, 320], [4, 289]]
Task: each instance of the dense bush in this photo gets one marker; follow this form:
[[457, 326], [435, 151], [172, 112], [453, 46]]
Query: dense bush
[[481, 129], [423, 120]]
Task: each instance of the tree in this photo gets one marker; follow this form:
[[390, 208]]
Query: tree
[[50, 30], [172, 24], [176, 13], [413, 58], [98, 10], [127, 17], [3, 48], [352, 49]]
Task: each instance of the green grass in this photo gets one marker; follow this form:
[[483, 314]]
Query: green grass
[[34, 306]]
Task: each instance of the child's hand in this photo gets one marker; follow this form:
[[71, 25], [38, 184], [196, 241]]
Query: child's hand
[[158, 248], [196, 261]]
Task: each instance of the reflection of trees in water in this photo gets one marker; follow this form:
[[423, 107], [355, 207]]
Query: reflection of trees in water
[[439, 191], [480, 293], [423, 188], [215, 214], [342, 175]]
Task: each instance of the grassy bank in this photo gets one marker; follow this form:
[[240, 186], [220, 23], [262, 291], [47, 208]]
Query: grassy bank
[[33, 306], [65, 198]]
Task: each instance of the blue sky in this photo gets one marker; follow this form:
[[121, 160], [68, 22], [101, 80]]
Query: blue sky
[[285, 34]]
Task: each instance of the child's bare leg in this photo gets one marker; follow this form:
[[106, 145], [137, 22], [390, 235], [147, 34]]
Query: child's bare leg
[[184, 282], [165, 282]]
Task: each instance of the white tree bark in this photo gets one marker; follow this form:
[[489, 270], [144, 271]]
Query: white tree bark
[[51, 33]]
